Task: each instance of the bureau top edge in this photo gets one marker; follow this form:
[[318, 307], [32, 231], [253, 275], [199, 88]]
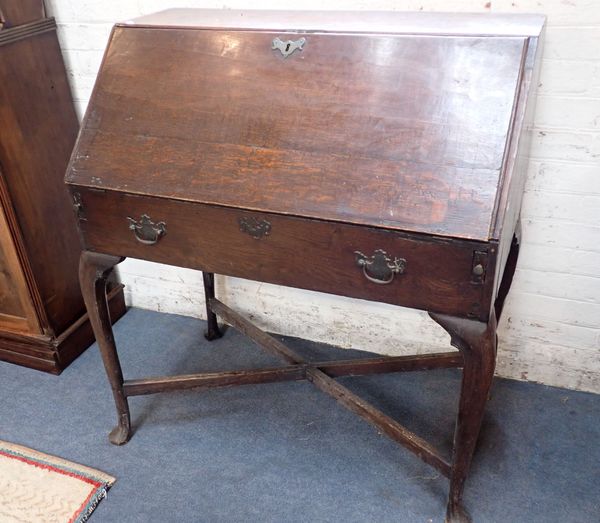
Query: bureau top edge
[[391, 22]]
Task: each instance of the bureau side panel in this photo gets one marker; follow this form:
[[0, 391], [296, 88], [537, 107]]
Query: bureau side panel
[[291, 251], [507, 222]]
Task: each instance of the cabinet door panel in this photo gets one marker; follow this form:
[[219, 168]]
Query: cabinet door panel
[[17, 312]]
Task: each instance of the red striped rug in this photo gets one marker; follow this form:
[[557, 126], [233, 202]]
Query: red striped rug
[[37, 487]]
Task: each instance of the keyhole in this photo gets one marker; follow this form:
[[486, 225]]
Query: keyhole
[[287, 47]]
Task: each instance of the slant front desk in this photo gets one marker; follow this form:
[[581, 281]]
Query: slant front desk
[[371, 155]]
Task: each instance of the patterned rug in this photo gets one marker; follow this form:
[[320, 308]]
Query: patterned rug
[[36, 487]]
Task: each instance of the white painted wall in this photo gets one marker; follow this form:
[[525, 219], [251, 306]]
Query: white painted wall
[[551, 328]]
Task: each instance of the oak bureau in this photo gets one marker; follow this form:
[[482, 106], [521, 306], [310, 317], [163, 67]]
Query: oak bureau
[[373, 155]]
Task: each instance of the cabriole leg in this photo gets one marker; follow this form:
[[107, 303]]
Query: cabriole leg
[[94, 270], [477, 343], [212, 332]]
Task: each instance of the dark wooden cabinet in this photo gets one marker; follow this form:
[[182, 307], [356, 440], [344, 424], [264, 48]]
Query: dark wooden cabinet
[[43, 322], [20, 12]]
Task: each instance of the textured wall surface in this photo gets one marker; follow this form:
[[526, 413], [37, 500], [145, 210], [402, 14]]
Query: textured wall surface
[[551, 328]]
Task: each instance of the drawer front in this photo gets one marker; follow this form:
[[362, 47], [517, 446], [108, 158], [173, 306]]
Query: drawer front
[[344, 259]]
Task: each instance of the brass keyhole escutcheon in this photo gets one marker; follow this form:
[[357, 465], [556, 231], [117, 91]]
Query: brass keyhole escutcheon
[[288, 47]]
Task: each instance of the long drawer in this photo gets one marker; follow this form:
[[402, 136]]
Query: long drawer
[[439, 275]]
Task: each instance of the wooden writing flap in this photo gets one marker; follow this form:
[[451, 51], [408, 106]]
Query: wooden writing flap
[[405, 132]]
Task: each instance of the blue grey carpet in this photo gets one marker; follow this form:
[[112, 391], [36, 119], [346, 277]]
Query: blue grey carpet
[[286, 452]]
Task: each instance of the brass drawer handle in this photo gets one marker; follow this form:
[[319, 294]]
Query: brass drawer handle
[[257, 228], [146, 231], [380, 268]]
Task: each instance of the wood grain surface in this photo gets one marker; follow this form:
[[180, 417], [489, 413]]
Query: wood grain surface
[[298, 252], [39, 128], [42, 315], [18, 12], [211, 149], [402, 132], [17, 312]]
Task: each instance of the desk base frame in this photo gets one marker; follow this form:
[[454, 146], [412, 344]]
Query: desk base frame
[[475, 341]]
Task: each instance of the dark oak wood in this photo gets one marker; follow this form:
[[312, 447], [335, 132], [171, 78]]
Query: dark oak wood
[[267, 342], [343, 160], [387, 425], [437, 276], [477, 343], [35, 80], [297, 371], [18, 12], [212, 331], [17, 310], [336, 369], [327, 384], [293, 372], [510, 194], [507, 276], [53, 354], [40, 300], [383, 159], [213, 379], [94, 270], [342, 394], [69, 344]]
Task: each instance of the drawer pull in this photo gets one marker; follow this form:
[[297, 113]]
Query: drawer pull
[[255, 227], [380, 268], [146, 231]]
